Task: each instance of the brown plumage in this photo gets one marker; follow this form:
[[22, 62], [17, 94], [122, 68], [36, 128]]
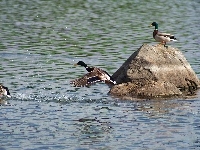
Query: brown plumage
[[95, 75]]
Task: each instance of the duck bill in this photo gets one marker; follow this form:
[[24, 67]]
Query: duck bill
[[75, 64]]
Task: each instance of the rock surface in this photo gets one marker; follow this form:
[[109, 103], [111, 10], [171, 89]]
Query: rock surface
[[155, 72]]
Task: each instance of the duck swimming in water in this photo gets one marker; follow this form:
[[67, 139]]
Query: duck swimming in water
[[95, 75], [4, 91]]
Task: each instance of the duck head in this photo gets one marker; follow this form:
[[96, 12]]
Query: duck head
[[155, 25], [81, 63]]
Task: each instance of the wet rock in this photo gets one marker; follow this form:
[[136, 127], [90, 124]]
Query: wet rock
[[155, 72]]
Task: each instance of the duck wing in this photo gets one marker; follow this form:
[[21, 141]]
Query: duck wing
[[164, 34], [97, 75], [86, 80], [165, 37]]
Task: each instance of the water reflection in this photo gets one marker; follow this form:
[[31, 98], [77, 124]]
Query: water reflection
[[94, 130], [3, 102], [156, 108]]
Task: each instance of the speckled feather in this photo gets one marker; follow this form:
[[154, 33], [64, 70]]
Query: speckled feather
[[96, 75]]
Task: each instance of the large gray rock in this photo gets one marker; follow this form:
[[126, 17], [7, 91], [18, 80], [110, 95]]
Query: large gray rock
[[155, 72]]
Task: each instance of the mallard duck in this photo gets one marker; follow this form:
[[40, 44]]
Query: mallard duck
[[95, 75], [162, 37], [4, 91]]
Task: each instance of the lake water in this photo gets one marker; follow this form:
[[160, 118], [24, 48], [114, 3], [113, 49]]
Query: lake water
[[40, 42]]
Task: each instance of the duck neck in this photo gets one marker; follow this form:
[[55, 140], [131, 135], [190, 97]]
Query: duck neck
[[156, 26], [89, 69]]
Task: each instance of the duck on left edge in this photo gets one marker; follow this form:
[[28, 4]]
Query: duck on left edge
[[4, 91], [95, 75]]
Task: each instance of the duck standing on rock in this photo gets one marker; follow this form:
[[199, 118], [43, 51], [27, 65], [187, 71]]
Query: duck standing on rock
[[4, 91], [162, 37], [95, 75]]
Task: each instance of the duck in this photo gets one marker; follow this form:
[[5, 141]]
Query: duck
[[162, 37], [4, 92], [94, 75]]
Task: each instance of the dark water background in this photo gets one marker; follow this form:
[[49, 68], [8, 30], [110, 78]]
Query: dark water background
[[41, 40]]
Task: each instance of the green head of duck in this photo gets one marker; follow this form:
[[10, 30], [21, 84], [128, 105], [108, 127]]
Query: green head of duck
[[155, 25]]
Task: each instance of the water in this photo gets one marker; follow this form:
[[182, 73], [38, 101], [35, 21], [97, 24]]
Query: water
[[40, 42]]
